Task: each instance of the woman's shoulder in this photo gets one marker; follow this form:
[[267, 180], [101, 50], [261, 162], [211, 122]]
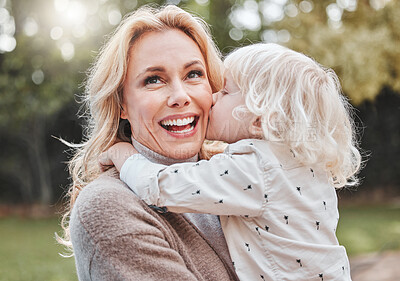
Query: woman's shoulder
[[104, 205], [103, 188], [104, 192]]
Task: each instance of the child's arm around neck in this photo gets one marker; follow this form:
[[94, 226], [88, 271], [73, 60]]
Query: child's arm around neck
[[227, 184]]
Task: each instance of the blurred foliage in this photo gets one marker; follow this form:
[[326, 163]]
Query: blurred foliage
[[41, 77], [380, 139], [364, 50], [360, 41]]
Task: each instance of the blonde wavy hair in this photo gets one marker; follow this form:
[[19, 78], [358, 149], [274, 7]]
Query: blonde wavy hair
[[299, 103], [103, 91]]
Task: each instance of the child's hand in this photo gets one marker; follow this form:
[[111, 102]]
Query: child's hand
[[117, 155]]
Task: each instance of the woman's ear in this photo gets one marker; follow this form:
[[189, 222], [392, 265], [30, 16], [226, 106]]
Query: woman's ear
[[256, 128], [123, 113]]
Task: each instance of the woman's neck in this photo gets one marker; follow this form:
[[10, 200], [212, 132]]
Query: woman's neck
[[158, 158]]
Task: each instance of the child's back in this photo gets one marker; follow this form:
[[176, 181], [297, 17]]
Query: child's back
[[294, 237], [275, 195]]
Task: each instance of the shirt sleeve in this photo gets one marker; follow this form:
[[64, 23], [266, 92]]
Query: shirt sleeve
[[141, 175], [227, 184]]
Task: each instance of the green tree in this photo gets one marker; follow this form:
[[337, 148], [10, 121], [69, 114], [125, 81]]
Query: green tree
[[35, 83], [359, 39], [56, 41], [41, 76]]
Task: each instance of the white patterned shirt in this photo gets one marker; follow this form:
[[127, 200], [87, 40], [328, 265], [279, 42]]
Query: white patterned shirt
[[279, 217]]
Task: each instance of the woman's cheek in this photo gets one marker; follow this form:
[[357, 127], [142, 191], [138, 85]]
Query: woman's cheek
[[209, 98], [204, 98]]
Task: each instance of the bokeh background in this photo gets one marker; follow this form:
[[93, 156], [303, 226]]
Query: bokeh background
[[46, 46]]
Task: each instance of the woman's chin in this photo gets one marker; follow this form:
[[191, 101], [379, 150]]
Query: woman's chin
[[182, 145]]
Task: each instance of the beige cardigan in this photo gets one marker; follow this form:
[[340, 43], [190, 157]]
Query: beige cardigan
[[116, 236]]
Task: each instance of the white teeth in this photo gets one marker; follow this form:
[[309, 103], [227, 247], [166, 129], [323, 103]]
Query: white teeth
[[178, 122], [183, 131]]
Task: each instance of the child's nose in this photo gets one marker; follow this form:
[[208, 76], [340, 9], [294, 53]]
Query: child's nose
[[214, 97]]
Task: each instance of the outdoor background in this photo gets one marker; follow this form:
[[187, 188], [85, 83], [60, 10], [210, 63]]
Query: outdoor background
[[47, 45]]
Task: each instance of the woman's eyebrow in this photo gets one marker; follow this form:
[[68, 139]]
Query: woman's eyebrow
[[151, 69], [162, 69], [189, 64]]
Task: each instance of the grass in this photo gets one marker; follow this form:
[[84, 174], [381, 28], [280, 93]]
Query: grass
[[369, 229], [29, 252]]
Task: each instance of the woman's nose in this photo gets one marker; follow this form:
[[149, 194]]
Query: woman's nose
[[179, 96]]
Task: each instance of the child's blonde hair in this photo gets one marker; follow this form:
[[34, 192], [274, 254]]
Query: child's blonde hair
[[299, 103]]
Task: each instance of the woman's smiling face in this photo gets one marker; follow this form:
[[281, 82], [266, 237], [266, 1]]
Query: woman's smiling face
[[167, 95]]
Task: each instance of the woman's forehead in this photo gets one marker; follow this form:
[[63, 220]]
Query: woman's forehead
[[158, 48], [166, 42]]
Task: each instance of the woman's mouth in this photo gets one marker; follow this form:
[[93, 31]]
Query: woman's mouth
[[180, 125]]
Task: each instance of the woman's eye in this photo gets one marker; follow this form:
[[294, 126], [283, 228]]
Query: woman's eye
[[195, 74], [152, 80], [223, 92]]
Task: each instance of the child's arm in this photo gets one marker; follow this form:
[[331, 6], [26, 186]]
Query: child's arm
[[224, 185], [117, 154]]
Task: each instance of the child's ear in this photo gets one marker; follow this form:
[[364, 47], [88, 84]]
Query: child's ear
[[256, 128]]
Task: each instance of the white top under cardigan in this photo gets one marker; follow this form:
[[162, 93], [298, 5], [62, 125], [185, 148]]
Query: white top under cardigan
[[278, 216]]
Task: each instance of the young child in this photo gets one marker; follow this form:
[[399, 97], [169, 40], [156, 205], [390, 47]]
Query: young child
[[292, 142]]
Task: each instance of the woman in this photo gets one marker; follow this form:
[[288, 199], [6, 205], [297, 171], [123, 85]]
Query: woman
[[158, 72]]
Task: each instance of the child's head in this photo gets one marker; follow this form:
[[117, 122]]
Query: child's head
[[224, 125], [295, 101]]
